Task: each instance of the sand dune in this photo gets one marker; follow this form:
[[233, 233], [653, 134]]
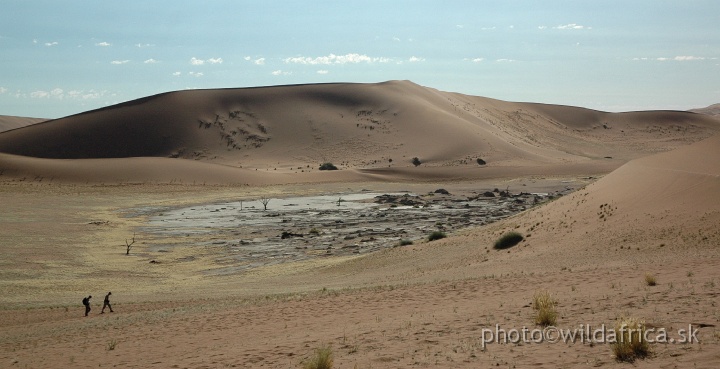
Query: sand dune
[[712, 110], [292, 129], [8, 122]]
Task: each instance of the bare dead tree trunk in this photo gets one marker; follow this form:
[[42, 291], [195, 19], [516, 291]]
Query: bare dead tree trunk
[[128, 245], [265, 200]]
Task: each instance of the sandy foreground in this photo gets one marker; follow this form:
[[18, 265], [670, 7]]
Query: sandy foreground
[[424, 305]]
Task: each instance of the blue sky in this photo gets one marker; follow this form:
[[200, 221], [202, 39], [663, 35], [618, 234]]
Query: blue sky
[[63, 57]]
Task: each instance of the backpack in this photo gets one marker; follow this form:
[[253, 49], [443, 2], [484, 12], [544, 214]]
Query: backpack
[[85, 301]]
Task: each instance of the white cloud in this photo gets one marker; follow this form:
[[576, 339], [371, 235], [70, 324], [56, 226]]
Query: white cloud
[[3, 90], [196, 74], [56, 93], [571, 26], [459, 26], [337, 59], [280, 72], [680, 58], [196, 61], [144, 45], [688, 58], [260, 61], [247, 58], [104, 44], [118, 62], [414, 59], [477, 60], [151, 61], [542, 27], [39, 94], [323, 71], [176, 74], [35, 41], [504, 60], [51, 43], [487, 28], [396, 39]]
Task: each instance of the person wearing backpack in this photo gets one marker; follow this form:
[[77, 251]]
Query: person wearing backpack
[[86, 302]]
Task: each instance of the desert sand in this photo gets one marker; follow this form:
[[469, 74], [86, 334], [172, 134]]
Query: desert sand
[[8, 122], [643, 197]]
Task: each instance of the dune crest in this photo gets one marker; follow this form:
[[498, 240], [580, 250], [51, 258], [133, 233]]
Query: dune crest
[[292, 129]]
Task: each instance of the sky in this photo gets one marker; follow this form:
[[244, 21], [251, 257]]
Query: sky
[[59, 58]]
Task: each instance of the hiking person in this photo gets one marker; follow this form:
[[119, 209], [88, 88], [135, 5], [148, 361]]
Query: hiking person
[[86, 302], [106, 302]]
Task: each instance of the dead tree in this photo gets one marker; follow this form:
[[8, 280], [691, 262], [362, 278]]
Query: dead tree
[[265, 200], [129, 245]]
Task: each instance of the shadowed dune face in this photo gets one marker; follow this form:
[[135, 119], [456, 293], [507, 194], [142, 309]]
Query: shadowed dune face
[[353, 125]]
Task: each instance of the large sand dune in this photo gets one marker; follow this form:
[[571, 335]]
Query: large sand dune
[[292, 129]]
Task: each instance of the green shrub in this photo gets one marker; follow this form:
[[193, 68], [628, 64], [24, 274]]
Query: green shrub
[[437, 235], [328, 166], [405, 242], [508, 240], [416, 161]]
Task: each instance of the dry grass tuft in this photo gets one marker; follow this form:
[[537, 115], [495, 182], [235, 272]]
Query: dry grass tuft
[[630, 343], [323, 359], [544, 305], [650, 279]]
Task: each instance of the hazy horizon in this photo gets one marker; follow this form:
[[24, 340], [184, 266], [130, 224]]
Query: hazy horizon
[[65, 58]]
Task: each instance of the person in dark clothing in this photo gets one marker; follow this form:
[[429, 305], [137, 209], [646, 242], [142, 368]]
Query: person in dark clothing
[[86, 302], [106, 303]]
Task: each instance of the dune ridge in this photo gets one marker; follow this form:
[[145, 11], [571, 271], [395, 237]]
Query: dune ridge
[[292, 129]]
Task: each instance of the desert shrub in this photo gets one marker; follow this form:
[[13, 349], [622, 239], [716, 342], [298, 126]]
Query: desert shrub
[[481, 162], [322, 359], [328, 166], [405, 242], [111, 345], [650, 279], [544, 306], [437, 235], [416, 161], [630, 343], [508, 240], [314, 231]]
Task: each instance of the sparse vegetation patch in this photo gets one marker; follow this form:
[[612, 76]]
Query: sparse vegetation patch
[[508, 240], [630, 343], [328, 166], [544, 306], [437, 235], [650, 279], [322, 359]]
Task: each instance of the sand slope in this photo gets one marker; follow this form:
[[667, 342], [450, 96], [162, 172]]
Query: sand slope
[[713, 110], [8, 122], [295, 128]]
